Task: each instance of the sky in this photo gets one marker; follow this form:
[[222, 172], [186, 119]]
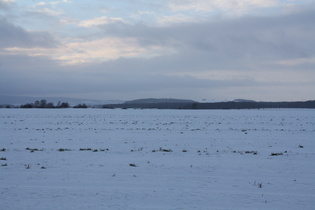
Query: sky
[[211, 50]]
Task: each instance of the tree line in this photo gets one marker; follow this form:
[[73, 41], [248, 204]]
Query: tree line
[[216, 105], [43, 104]]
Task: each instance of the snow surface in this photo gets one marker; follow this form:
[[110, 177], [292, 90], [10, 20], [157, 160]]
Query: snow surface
[[157, 159]]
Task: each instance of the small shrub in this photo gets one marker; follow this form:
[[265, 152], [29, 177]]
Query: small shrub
[[2, 150], [63, 150], [165, 150], [276, 154], [162, 150], [33, 149], [132, 165], [251, 152], [103, 150], [3, 158], [87, 149]]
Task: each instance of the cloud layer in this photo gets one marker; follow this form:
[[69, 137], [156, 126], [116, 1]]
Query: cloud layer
[[15, 36], [181, 53]]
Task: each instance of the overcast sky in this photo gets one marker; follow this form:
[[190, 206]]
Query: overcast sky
[[194, 49]]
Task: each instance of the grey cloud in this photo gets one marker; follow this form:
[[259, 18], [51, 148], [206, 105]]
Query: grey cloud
[[43, 76], [15, 36], [5, 5], [230, 43], [247, 45]]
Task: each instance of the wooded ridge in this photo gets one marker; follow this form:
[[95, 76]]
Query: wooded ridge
[[215, 105]]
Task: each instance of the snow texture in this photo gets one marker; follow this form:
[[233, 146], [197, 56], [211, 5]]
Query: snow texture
[[157, 159]]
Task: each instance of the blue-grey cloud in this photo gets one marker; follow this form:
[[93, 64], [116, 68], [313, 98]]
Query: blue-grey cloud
[[43, 76], [4, 6], [15, 36], [279, 49], [230, 42]]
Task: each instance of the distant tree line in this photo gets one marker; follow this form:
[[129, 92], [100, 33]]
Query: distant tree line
[[177, 105], [43, 104], [8, 106], [217, 105], [81, 106]]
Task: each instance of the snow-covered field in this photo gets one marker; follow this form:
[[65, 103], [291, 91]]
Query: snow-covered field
[[157, 159]]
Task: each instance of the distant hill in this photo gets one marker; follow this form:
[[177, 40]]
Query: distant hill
[[188, 104], [159, 101], [243, 100]]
